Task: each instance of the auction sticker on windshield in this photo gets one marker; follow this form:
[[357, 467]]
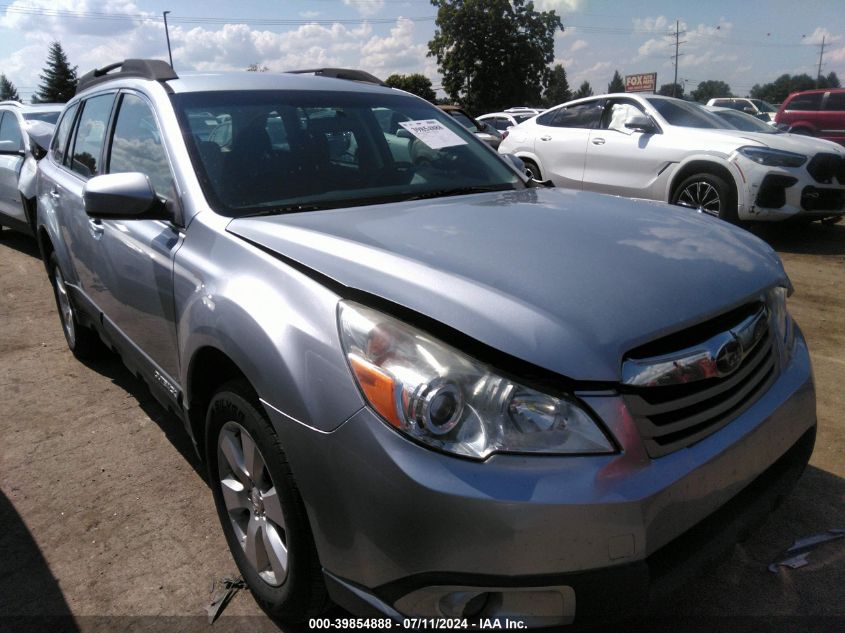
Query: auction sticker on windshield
[[433, 133]]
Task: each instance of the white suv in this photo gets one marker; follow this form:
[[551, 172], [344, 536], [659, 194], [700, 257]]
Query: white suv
[[667, 149]]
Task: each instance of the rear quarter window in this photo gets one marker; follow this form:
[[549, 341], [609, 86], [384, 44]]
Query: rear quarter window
[[835, 101]]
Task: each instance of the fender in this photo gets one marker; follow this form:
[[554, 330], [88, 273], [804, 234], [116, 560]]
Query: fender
[[716, 158], [251, 317]]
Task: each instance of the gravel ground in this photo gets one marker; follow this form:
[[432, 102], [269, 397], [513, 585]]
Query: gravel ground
[[105, 516]]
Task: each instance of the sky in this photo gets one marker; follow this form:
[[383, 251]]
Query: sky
[[742, 43]]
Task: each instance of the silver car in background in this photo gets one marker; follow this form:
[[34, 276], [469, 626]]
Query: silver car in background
[[422, 385], [25, 133]]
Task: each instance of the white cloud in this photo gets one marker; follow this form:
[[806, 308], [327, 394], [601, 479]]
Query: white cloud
[[559, 6], [365, 7], [394, 53], [815, 38], [659, 23], [106, 18], [577, 45]]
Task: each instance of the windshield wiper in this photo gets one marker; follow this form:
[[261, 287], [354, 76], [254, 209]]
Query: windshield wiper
[[459, 191], [291, 208]]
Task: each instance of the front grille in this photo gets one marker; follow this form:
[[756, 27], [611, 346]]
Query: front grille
[[825, 167], [676, 416]]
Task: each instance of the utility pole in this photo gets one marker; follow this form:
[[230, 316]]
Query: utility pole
[[819, 73], [167, 35], [677, 54]]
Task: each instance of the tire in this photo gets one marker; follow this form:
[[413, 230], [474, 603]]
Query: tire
[[531, 169], [801, 131], [708, 193], [84, 342], [270, 541]]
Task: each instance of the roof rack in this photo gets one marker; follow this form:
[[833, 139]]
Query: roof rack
[[154, 69], [11, 102], [341, 73]]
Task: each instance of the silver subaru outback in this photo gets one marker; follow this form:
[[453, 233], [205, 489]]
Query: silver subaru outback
[[423, 386]]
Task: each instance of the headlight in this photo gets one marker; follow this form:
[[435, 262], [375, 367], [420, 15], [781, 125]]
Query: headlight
[[772, 157], [782, 323], [447, 400]]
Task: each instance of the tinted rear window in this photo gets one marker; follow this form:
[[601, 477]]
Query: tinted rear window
[[835, 101]]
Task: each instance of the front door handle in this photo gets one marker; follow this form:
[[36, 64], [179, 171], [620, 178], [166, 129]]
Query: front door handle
[[598, 141], [546, 138], [95, 225]]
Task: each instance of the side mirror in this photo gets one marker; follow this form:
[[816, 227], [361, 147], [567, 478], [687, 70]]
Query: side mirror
[[640, 123], [11, 147], [129, 195]]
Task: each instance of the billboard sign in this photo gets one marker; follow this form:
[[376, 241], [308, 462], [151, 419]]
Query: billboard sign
[[644, 82]]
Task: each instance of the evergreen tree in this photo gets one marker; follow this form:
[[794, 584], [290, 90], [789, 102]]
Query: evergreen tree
[[58, 80], [711, 89], [8, 92], [558, 89], [584, 90], [616, 84]]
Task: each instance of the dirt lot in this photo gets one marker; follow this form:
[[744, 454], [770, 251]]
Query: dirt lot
[[104, 514]]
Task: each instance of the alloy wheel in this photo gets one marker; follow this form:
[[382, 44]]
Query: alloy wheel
[[65, 308], [252, 503], [701, 195]]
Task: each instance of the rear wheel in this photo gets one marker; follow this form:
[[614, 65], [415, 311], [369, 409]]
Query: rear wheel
[[801, 130], [82, 340], [709, 194], [531, 169], [259, 507]]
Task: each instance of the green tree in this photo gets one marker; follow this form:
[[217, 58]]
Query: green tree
[[256, 68], [415, 83], [58, 80], [671, 90], [832, 80], [616, 84], [779, 89], [8, 92], [710, 89], [584, 90], [557, 91], [493, 54]]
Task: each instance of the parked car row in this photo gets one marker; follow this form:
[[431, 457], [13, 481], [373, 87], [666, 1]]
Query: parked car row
[[402, 361], [660, 148]]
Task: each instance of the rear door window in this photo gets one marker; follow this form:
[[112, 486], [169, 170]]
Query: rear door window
[[90, 135], [582, 115], [810, 101], [60, 138]]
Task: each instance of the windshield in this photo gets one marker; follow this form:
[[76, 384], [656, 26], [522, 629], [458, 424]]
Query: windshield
[[745, 122], [463, 119], [763, 106], [286, 151], [522, 117], [48, 116], [683, 114]]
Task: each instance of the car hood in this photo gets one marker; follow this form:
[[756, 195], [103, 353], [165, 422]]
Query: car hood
[[566, 280], [794, 143]]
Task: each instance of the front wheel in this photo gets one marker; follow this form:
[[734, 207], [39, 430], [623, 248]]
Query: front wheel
[[259, 507], [708, 194], [531, 169]]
